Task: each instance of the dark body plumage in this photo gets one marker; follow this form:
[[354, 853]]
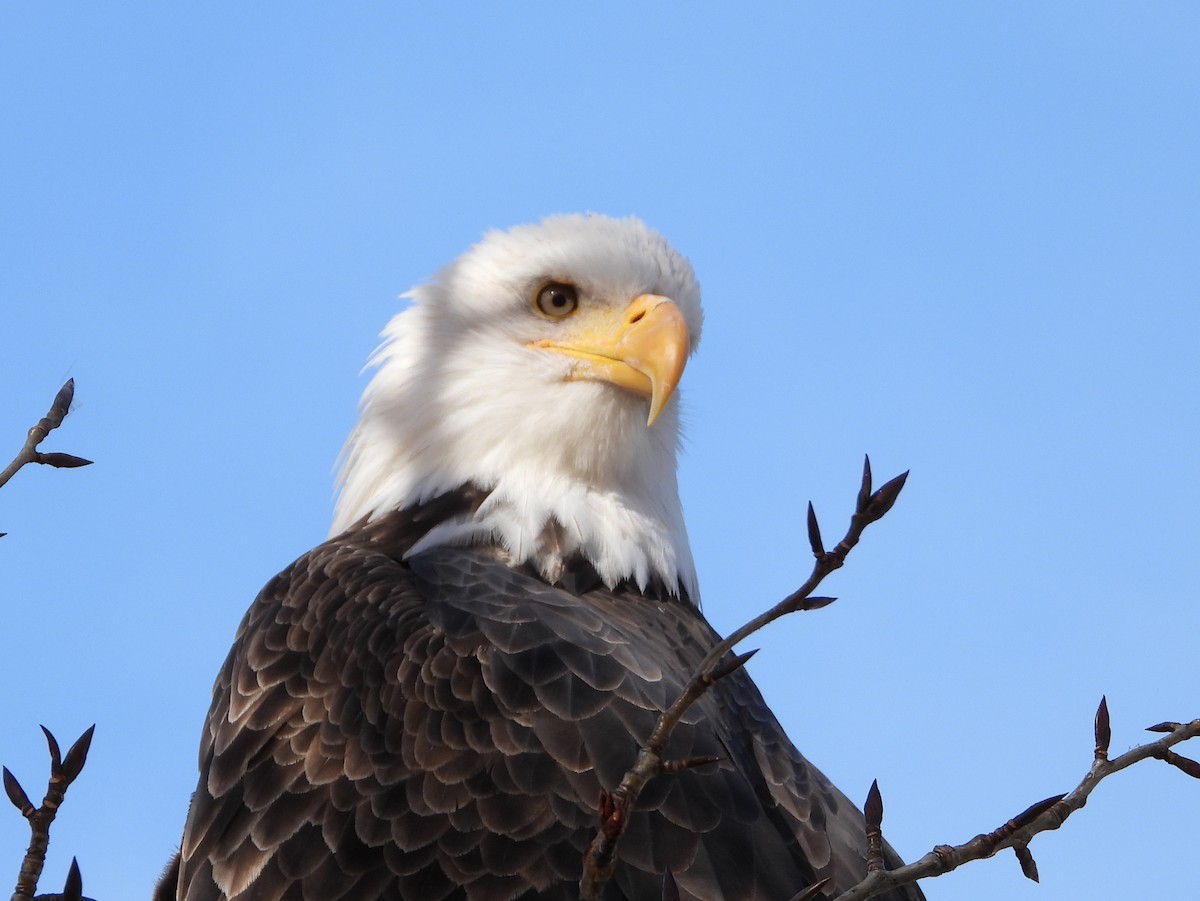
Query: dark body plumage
[[441, 728]]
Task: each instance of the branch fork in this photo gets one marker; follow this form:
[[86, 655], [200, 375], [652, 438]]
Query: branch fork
[[63, 771], [600, 857], [1016, 833], [1048, 814], [29, 452]]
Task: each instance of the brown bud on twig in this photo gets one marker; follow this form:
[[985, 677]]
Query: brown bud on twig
[[678, 766], [864, 490], [815, 603], [73, 888], [814, 533], [55, 753], [883, 500], [62, 461], [62, 401], [1184, 764], [16, 794], [812, 891], [1031, 813], [873, 811], [1028, 864], [717, 673], [1103, 729], [77, 756], [1164, 727]]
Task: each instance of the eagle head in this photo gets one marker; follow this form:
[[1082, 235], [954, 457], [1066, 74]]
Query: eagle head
[[540, 370]]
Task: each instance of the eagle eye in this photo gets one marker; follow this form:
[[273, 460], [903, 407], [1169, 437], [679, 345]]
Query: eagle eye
[[556, 299]]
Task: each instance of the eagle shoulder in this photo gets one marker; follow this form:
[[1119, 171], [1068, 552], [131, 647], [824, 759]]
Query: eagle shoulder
[[442, 726]]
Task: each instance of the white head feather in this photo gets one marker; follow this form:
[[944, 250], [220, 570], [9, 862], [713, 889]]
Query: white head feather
[[459, 397]]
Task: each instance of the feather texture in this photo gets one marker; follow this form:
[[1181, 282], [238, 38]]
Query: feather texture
[[440, 725]]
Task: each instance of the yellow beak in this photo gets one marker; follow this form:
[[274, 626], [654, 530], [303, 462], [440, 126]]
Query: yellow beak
[[642, 349]]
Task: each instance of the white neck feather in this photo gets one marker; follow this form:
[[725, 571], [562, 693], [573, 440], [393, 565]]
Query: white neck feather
[[579, 455]]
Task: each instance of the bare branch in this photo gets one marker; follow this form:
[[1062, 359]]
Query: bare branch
[[29, 453], [1051, 813], [62, 774], [1017, 833], [600, 859]]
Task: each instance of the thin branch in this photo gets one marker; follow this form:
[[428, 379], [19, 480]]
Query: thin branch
[[600, 858], [29, 453], [1018, 832], [63, 771]]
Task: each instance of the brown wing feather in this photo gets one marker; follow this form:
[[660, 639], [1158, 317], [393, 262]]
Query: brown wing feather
[[442, 728]]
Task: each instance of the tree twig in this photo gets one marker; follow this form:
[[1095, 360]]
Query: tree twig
[[1051, 813], [600, 857], [29, 453], [63, 771]]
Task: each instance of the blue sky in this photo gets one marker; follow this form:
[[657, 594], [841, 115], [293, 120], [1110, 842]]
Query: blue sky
[[961, 237]]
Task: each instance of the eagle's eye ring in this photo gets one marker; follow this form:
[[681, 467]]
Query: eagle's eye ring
[[556, 300]]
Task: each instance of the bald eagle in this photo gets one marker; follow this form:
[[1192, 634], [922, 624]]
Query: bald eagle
[[429, 704]]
